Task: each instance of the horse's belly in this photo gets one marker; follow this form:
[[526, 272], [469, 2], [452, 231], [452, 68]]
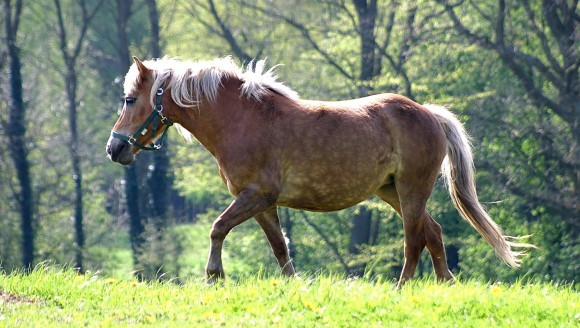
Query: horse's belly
[[339, 169], [330, 192], [321, 206]]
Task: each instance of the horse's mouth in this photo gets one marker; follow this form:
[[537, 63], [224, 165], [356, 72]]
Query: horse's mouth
[[124, 161], [120, 151]]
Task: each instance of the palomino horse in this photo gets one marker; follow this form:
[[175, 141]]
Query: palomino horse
[[274, 149]]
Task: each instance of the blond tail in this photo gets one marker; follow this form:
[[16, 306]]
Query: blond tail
[[458, 170]]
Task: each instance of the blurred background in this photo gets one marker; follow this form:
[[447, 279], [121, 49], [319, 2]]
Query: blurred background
[[508, 68]]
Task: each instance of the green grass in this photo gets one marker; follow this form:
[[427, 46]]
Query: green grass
[[52, 297]]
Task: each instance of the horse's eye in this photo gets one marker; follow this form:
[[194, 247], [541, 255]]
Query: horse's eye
[[129, 100]]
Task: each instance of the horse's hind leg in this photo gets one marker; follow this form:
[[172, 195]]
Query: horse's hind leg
[[411, 210], [270, 223], [420, 231], [415, 240], [436, 248]]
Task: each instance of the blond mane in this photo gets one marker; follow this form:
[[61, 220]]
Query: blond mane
[[191, 82]]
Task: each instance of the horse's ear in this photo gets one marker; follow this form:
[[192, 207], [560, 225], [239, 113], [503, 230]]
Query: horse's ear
[[143, 71]]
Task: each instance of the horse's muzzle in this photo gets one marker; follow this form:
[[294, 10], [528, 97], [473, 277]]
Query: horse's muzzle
[[120, 151]]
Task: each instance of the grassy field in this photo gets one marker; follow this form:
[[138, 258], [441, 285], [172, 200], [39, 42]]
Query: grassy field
[[50, 297]]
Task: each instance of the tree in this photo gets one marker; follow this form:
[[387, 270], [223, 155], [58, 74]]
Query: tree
[[158, 181], [386, 34], [143, 193], [16, 130], [524, 120], [132, 177], [545, 62], [70, 57], [220, 23]]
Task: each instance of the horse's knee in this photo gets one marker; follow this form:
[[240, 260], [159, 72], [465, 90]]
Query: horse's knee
[[218, 230]]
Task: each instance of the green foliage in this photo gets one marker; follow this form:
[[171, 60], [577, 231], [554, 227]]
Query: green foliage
[[53, 297], [197, 177]]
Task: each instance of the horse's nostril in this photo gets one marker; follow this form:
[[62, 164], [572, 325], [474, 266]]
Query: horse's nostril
[[114, 150], [120, 152]]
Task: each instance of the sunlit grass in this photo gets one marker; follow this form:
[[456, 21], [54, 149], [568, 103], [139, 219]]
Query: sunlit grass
[[51, 297]]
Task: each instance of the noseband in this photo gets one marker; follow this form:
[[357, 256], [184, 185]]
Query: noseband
[[155, 117]]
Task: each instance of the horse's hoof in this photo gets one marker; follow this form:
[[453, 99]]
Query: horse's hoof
[[213, 279]]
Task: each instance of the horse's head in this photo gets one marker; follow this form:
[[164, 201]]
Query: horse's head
[[143, 120]]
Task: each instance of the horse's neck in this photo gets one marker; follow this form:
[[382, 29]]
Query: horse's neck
[[205, 127], [212, 124]]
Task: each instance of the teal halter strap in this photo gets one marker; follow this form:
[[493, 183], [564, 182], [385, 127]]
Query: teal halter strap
[[155, 117]]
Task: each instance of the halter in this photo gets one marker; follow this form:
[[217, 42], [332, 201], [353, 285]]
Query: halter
[[155, 117]]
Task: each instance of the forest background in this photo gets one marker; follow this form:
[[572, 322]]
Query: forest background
[[508, 68]]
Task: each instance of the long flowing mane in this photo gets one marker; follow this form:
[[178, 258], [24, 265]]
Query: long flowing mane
[[191, 82]]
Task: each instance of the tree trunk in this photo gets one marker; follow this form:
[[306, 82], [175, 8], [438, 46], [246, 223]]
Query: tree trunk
[[159, 182], [360, 235], [70, 56], [155, 31], [367, 13], [16, 131], [136, 226], [361, 230], [132, 190], [71, 91]]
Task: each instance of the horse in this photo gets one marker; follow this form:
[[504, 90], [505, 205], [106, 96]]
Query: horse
[[275, 149]]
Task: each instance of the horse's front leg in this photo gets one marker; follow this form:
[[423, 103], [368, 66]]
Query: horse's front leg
[[248, 203]]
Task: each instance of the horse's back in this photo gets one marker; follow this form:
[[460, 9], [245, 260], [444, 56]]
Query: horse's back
[[388, 122]]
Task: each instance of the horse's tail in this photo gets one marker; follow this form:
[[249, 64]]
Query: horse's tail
[[458, 170]]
